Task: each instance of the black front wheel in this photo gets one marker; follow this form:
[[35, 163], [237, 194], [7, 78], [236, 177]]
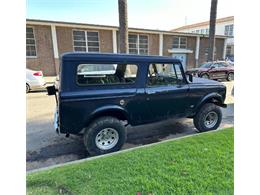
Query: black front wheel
[[104, 135], [230, 76], [208, 117]]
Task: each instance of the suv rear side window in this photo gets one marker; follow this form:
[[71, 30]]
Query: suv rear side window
[[164, 75], [106, 74], [221, 65]]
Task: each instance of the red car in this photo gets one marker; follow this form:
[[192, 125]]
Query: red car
[[214, 70]]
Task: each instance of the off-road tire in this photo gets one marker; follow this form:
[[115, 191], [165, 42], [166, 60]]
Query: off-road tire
[[200, 116], [27, 88], [228, 76], [205, 76], [96, 127]]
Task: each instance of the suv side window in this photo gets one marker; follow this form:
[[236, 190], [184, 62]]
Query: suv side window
[[104, 74], [164, 75]]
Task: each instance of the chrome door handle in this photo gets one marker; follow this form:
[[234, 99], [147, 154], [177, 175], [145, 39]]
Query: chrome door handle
[[150, 92]]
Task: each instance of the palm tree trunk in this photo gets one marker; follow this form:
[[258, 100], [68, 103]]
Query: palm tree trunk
[[123, 26], [212, 25]]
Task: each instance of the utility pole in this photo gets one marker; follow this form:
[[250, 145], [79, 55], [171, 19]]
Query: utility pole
[[212, 26]]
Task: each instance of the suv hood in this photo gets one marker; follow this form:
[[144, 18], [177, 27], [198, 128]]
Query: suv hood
[[197, 80], [197, 69]]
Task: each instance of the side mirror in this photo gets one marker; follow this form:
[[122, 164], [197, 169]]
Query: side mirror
[[212, 67], [190, 77], [51, 90]]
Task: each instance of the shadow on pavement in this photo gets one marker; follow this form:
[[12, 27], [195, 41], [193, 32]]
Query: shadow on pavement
[[140, 135], [38, 91]]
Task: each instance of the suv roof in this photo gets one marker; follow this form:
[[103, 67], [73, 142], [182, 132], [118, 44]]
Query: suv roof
[[111, 57]]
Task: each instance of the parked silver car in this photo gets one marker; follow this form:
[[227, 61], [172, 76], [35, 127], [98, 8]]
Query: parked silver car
[[34, 80]]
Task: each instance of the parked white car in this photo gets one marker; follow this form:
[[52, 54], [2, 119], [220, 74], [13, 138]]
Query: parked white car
[[34, 80]]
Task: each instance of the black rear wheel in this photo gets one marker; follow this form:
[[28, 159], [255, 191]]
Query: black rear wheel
[[208, 117], [104, 135]]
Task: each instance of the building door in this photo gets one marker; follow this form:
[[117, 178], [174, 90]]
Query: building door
[[182, 57]]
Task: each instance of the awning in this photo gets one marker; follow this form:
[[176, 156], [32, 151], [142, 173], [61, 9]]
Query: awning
[[174, 50]]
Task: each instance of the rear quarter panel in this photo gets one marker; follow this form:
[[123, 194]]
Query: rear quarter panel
[[77, 109]]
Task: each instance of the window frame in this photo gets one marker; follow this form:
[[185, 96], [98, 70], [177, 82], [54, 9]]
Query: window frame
[[86, 40], [228, 31], [229, 50], [34, 38], [110, 84], [184, 79], [138, 43], [179, 42]]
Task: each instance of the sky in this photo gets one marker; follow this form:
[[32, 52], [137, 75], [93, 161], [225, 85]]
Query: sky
[[150, 14]]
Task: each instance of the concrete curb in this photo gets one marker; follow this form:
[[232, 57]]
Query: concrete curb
[[115, 153]]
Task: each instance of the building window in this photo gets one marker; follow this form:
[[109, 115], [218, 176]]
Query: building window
[[198, 31], [93, 41], [229, 30], [229, 50], [30, 42], [85, 41], [207, 31], [202, 31], [138, 44], [179, 42]]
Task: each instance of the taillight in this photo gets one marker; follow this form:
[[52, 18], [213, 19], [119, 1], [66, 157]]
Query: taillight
[[39, 73]]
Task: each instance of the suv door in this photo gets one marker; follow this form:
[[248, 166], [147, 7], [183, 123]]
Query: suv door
[[166, 91]]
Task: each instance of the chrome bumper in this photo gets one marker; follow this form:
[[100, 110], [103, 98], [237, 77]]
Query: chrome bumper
[[56, 121]]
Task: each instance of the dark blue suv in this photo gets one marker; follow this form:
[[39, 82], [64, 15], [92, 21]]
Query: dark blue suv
[[99, 94]]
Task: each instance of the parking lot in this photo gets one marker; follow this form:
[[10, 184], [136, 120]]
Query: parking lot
[[44, 147]]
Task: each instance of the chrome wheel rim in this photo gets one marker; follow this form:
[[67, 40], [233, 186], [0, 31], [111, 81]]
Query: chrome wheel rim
[[107, 138], [231, 77], [27, 88], [205, 76], [211, 119]]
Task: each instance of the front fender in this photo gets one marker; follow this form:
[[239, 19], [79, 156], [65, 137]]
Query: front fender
[[212, 97]]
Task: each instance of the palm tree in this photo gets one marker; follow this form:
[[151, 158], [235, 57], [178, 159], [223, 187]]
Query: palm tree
[[123, 26], [212, 25]]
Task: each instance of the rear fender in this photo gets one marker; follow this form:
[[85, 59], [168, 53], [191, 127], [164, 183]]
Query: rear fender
[[110, 110]]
